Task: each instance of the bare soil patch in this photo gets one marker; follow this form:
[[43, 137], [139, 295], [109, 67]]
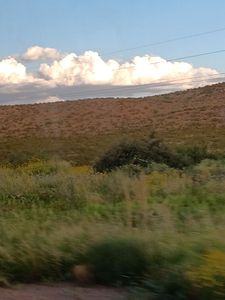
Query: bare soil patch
[[61, 292]]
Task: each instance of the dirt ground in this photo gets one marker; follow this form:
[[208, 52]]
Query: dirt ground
[[60, 292]]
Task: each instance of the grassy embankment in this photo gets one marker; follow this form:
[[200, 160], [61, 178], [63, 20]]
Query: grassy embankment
[[168, 226], [85, 149]]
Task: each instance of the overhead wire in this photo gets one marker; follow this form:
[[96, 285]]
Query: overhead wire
[[212, 78], [166, 41], [132, 65]]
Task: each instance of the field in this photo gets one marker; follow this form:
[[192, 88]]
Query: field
[[166, 226], [158, 231], [79, 131]]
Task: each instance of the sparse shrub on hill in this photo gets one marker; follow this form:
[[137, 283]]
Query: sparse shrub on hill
[[126, 153], [140, 153], [119, 155], [156, 151], [152, 150]]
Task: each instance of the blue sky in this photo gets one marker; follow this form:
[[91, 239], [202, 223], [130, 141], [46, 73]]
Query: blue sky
[[74, 26]]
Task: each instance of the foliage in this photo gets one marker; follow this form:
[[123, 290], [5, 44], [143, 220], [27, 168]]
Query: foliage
[[148, 152], [41, 168], [137, 153], [52, 213], [209, 277], [192, 155], [118, 260], [171, 285], [120, 155]]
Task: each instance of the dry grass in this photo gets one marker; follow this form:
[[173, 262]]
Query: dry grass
[[81, 130]]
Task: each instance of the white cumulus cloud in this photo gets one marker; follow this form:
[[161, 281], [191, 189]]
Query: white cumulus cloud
[[72, 76], [90, 68], [12, 72], [40, 53]]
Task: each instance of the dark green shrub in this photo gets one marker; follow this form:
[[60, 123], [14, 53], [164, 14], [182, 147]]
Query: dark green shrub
[[118, 261], [152, 150], [119, 155], [192, 155], [140, 153], [161, 154]]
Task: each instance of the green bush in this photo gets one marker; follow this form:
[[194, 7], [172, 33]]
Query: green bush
[[152, 150], [155, 151], [119, 155], [140, 153], [192, 155], [118, 261]]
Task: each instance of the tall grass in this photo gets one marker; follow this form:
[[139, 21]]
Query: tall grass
[[52, 215]]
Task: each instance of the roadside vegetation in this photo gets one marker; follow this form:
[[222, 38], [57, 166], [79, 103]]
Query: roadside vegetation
[[148, 222], [151, 150]]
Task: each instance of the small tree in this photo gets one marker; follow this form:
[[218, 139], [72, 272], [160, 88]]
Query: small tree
[[138, 153], [151, 150], [117, 156]]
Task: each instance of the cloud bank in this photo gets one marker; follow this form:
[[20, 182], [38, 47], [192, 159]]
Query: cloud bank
[[60, 76], [12, 72], [40, 53], [90, 68]]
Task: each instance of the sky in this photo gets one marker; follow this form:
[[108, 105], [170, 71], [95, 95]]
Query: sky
[[68, 49]]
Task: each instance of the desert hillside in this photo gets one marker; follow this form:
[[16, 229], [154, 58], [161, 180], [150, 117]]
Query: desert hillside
[[80, 130]]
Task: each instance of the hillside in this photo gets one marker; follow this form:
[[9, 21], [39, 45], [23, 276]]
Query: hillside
[[81, 130]]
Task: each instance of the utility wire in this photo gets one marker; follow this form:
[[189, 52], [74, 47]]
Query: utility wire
[[167, 41], [159, 84], [176, 59], [197, 55]]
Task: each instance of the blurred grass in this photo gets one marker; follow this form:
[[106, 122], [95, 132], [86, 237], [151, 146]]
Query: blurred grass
[[52, 213]]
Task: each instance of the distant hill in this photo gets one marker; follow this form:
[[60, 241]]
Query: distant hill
[[81, 130]]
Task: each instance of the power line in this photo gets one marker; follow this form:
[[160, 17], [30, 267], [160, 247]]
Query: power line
[[197, 55], [160, 84], [177, 58], [167, 41]]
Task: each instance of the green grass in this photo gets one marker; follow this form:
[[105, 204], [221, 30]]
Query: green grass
[[54, 216], [85, 149]]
